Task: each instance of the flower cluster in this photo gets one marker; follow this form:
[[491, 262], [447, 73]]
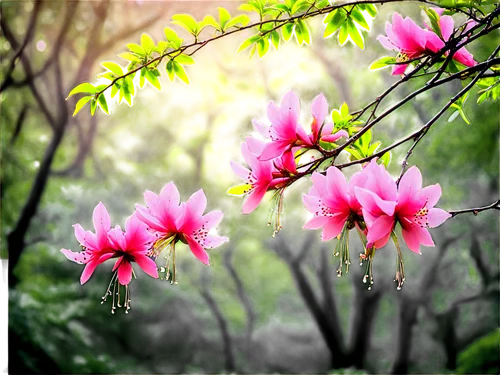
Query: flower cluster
[[412, 42], [273, 164], [372, 201], [148, 231]]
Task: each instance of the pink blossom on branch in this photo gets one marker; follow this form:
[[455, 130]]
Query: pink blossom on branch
[[171, 221], [97, 248]]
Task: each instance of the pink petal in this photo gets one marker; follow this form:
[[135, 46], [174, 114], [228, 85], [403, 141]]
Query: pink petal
[[273, 113], [289, 108], [328, 128], [169, 197], [382, 226], [446, 25], [256, 146], [320, 183], [436, 217], [380, 243], [464, 57], [212, 241], [333, 227], [102, 224], [386, 42], [125, 272], [312, 203], [316, 222], [288, 161], [373, 203], [152, 201], [118, 238], [198, 251], [240, 171], [411, 237], [380, 182], [410, 185], [151, 221], [431, 194], [337, 185], [80, 257], [433, 42], [253, 200], [273, 150], [399, 69], [334, 137], [147, 265], [261, 127], [197, 203], [88, 271], [212, 219], [319, 110]]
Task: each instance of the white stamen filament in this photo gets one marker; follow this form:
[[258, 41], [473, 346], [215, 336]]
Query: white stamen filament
[[116, 300]]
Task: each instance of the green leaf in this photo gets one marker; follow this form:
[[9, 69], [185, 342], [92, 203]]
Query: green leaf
[[249, 8], [287, 31], [115, 88], [103, 104], [354, 34], [383, 62], [304, 31], [239, 189], [180, 72], [360, 19], [170, 70], [344, 110], [343, 33], [172, 37], [137, 49], [184, 60], [262, 47], [242, 19], [275, 39], [114, 67], [224, 16], [81, 103], [248, 42], [371, 9], [208, 21], [386, 158], [355, 155], [147, 43], [93, 105], [129, 56], [300, 5], [283, 8], [434, 21], [330, 16], [186, 21], [153, 79], [129, 83], [335, 23], [83, 87]]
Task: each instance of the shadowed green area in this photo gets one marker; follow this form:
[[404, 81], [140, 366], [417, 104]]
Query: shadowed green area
[[188, 134]]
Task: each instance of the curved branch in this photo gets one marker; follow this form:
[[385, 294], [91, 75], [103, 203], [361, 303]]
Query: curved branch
[[494, 206]]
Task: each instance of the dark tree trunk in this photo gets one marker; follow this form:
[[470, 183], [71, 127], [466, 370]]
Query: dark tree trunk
[[407, 318]]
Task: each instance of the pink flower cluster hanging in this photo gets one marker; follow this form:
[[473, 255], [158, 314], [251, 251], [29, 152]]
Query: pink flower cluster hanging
[[148, 231], [372, 201]]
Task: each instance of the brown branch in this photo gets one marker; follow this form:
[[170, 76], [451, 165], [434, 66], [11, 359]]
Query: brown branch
[[494, 206]]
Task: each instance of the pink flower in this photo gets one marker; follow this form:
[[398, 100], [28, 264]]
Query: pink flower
[[97, 247], [194, 227], [435, 43], [412, 206], [320, 131], [162, 212], [333, 202], [132, 246], [285, 132], [405, 37], [260, 173], [172, 221]]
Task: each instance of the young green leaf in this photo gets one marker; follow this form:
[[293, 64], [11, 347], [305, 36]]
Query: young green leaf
[[242, 20], [188, 22], [147, 43], [172, 37], [386, 158], [103, 104], [113, 67], [287, 31], [262, 47], [83, 88], [180, 72], [153, 79], [81, 103], [357, 16], [275, 39], [129, 56], [371, 9], [224, 16], [184, 60], [383, 62], [335, 23], [302, 29], [93, 105], [354, 34], [170, 70], [343, 33], [208, 21], [248, 42], [434, 21], [137, 49], [115, 88]]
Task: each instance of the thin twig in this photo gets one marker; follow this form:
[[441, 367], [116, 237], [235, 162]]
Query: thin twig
[[494, 206]]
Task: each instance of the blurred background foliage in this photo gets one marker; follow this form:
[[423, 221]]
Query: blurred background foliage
[[266, 304]]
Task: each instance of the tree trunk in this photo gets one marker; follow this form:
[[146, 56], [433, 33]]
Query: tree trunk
[[407, 318]]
